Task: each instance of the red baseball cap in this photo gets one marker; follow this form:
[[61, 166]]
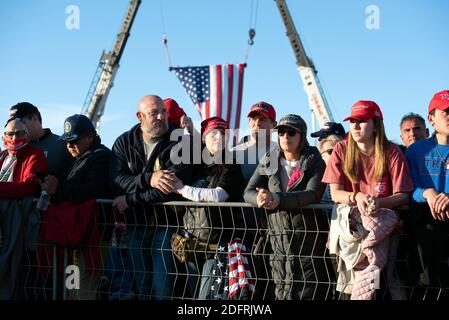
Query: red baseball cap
[[264, 109], [213, 123], [439, 101], [364, 110], [174, 111]]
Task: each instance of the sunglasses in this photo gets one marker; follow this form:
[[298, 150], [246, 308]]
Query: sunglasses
[[18, 134], [291, 133], [328, 151]]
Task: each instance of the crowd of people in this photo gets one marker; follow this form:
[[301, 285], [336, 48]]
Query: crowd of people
[[362, 175]]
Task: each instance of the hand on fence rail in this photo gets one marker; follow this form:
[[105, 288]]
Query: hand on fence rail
[[121, 204]]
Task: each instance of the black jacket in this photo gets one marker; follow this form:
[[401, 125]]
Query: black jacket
[[88, 176], [288, 222], [304, 191], [131, 174], [217, 224]]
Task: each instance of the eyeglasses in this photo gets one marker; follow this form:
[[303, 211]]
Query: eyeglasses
[[328, 151], [291, 133], [18, 134]]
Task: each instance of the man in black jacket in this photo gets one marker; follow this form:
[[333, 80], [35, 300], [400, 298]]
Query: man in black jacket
[[143, 173], [88, 175], [87, 178]]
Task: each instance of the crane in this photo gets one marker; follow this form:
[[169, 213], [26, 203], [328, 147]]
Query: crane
[[317, 101], [102, 82]]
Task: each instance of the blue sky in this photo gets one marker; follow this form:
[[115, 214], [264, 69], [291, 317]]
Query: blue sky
[[400, 66]]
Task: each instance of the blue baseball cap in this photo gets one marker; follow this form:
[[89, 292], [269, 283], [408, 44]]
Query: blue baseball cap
[[75, 126]]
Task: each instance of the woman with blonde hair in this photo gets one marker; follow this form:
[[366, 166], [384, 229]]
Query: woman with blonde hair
[[368, 176]]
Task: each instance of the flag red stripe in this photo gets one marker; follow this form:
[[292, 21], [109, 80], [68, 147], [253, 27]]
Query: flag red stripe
[[233, 280], [239, 101], [230, 68], [207, 115], [219, 89]]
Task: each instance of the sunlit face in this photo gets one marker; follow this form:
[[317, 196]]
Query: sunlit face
[[153, 117], [78, 147], [440, 121], [326, 149], [259, 124], [289, 139], [362, 131], [15, 129], [215, 141], [413, 130]]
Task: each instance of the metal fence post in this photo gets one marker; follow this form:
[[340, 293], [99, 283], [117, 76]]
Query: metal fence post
[[64, 287], [55, 272]]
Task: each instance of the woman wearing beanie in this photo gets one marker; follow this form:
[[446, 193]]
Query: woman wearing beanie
[[217, 179]]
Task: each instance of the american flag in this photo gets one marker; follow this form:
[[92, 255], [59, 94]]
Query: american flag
[[240, 278], [231, 274], [216, 90]]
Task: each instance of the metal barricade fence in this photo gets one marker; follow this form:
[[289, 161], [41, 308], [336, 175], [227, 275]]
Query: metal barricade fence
[[285, 257]]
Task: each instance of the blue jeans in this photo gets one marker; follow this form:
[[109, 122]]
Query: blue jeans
[[152, 262], [118, 270], [203, 292]]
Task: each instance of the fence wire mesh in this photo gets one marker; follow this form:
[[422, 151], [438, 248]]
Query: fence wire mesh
[[278, 256]]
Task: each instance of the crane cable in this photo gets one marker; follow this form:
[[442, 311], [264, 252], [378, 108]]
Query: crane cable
[[164, 36], [252, 26], [251, 32]]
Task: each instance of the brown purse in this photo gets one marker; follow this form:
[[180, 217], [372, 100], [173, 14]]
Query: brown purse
[[180, 246], [183, 247]]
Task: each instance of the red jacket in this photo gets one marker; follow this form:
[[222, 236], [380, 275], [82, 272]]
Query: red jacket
[[71, 225], [29, 161]]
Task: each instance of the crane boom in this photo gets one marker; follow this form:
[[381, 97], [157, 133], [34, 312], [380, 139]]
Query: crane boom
[[102, 82], [306, 68]]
